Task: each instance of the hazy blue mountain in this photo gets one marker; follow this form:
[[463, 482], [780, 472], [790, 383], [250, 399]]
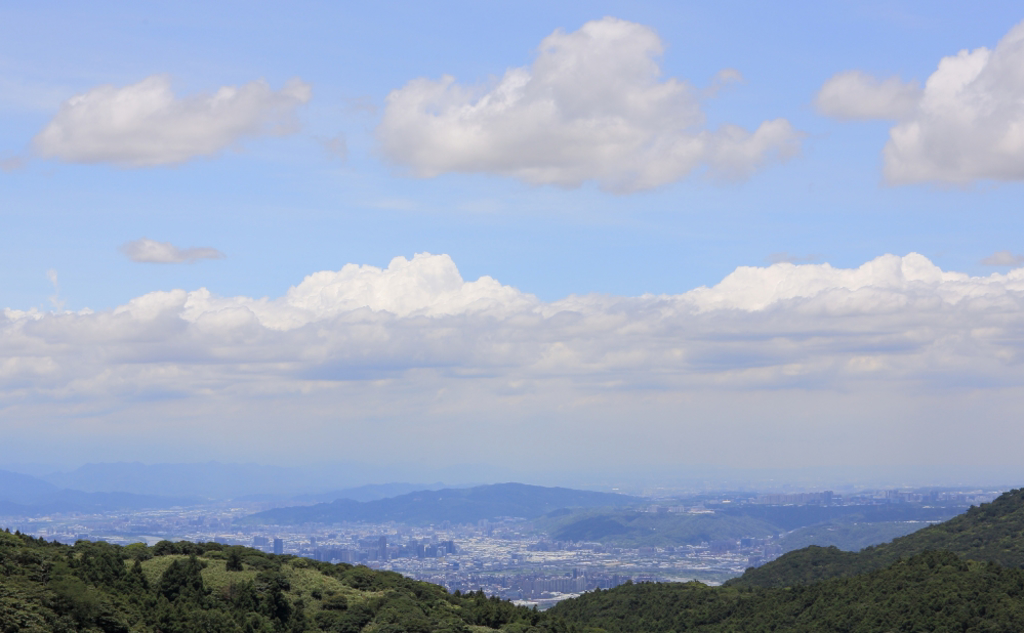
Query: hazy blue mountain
[[791, 517], [210, 479], [648, 529], [65, 501], [255, 482], [369, 492], [466, 505], [847, 535], [18, 488], [24, 495]]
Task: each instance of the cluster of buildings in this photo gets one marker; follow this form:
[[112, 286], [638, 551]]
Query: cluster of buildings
[[507, 557]]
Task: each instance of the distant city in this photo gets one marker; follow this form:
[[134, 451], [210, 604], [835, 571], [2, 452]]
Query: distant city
[[522, 559]]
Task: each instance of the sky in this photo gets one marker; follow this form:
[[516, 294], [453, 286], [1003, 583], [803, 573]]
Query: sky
[[533, 236]]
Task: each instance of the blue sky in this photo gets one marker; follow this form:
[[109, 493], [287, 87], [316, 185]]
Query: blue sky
[[326, 171]]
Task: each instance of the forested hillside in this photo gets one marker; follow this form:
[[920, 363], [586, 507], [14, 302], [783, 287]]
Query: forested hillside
[[934, 591], [195, 588], [990, 532]]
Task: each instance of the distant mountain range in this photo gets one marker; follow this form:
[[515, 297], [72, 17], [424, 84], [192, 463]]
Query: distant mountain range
[[369, 492], [250, 482], [212, 480], [129, 486], [24, 495], [466, 505]]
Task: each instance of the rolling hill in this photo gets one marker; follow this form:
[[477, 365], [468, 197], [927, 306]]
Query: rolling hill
[[462, 505], [188, 587], [990, 532]]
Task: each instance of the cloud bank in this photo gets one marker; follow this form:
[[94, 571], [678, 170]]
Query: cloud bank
[[967, 123], [782, 326], [780, 365], [145, 124], [591, 107], [150, 251]]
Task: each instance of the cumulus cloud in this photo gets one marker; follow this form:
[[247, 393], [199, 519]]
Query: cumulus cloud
[[145, 124], [145, 250], [414, 342], [1003, 258], [592, 107], [856, 95], [967, 124], [418, 311]]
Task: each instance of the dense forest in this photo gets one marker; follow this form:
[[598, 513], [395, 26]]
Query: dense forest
[[964, 575], [934, 591], [990, 532]]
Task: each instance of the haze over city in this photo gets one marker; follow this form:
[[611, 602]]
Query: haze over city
[[571, 243]]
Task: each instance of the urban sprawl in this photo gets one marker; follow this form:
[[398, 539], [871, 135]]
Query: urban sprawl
[[507, 557]]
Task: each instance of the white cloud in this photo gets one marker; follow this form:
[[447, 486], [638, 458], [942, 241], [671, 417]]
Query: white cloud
[[442, 362], [1003, 258], [153, 252], [592, 106], [967, 124], [145, 124], [857, 95]]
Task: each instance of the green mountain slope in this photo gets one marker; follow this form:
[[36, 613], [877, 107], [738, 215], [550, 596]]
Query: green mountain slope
[[190, 588], [991, 532], [934, 591], [462, 505]]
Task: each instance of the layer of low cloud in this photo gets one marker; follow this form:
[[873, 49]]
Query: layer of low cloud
[[592, 107], [145, 124], [149, 251], [449, 365], [967, 124], [1003, 258]]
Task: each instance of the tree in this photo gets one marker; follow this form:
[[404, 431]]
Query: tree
[[234, 562], [183, 578]]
